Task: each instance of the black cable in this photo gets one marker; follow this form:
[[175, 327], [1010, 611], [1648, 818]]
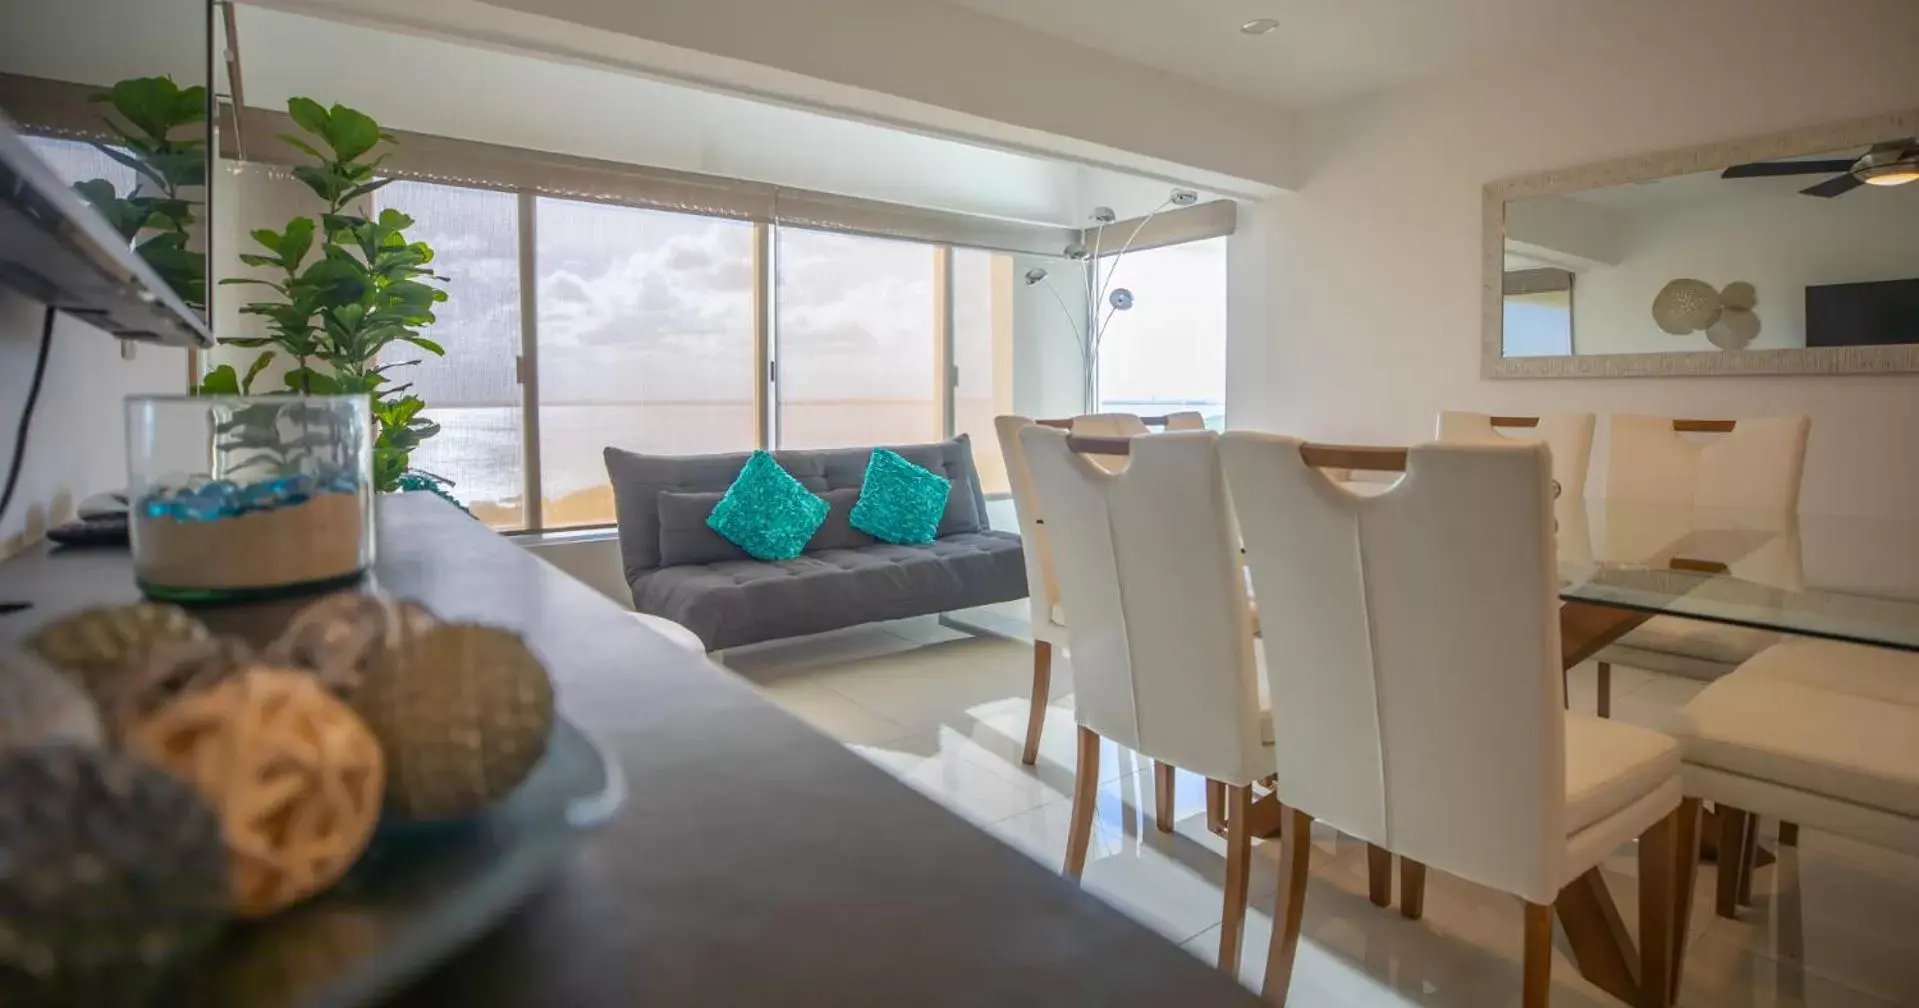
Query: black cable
[[26, 412]]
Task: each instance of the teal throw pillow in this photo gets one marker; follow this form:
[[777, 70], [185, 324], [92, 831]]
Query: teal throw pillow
[[899, 501], [766, 512]]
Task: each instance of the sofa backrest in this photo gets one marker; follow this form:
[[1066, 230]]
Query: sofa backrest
[[639, 479]]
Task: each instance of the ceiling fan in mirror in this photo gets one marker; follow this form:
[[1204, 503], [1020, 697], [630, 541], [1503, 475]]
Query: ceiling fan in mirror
[[1894, 162]]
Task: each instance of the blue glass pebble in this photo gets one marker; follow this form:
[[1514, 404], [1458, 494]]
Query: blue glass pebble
[[157, 507]]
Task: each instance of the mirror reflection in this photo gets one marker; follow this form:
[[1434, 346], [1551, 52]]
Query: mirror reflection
[[112, 95], [1812, 251]]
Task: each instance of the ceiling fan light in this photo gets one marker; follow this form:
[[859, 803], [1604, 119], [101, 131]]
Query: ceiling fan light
[[1898, 173]]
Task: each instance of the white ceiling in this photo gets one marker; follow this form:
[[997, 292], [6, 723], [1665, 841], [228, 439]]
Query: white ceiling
[[438, 86], [1324, 50]]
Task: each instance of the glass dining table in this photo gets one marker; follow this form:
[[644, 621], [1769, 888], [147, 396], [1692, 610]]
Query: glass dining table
[[1839, 577]]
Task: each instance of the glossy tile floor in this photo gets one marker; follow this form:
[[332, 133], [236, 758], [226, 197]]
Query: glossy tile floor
[[1837, 923]]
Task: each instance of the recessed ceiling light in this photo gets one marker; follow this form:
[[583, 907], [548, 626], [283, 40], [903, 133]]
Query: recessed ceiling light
[[1259, 26]]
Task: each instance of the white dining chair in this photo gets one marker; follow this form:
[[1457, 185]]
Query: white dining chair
[[1162, 639], [1569, 435], [1816, 732], [1121, 425], [1412, 651], [1753, 465], [1044, 611]]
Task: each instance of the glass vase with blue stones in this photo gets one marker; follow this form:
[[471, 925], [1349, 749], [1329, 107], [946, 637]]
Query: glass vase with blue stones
[[245, 497]]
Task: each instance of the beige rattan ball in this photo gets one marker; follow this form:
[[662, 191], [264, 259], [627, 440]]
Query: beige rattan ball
[[1685, 306], [295, 775], [96, 646]]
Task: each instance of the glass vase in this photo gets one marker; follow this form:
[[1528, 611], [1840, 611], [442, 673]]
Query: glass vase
[[246, 497]]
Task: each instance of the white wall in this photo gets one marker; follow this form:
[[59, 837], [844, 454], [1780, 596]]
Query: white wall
[[1769, 236], [1372, 289], [77, 444]]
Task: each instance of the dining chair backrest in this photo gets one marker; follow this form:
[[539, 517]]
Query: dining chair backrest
[[1412, 649], [1570, 435], [1042, 587], [1109, 425], [1185, 420], [1158, 623], [1756, 465]]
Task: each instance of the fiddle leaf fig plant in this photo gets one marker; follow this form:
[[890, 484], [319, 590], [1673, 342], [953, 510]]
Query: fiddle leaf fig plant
[[345, 287], [157, 215]]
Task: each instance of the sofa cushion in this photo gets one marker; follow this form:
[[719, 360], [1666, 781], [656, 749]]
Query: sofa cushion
[[741, 602], [767, 512], [838, 531], [685, 539], [900, 502], [684, 535], [1838, 720]]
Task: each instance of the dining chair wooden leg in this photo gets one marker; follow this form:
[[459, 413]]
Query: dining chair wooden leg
[[1536, 981], [1036, 712], [1215, 806], [1412, 888], [1289, 904], [1163, 796], [1604, 682], [1379, 875], [1734, 824], [1788, 834], [1085, 795], [1658, 902], [1748, 859], [1239, 865], [1686, 858]]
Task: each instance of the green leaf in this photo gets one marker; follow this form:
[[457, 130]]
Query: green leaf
[[268, 238], [139, 165], [259, 364], [296, 241], [245, 341], [361, 190], [219, 381], [237, 281], [308, 114], [323, 183], [256, 260], [426, 344], [349, 132], [181, 168], [155, 105], [337, 281], [299, 144]]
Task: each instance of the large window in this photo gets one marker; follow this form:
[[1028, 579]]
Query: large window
[[672, 333], [855, 340], [1168, 352], [473, 392], [646, 342]]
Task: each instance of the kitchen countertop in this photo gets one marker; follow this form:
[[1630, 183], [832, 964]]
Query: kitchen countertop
[[754, 862]]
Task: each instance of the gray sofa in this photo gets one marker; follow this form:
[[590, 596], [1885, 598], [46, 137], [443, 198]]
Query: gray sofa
[[682, 570]]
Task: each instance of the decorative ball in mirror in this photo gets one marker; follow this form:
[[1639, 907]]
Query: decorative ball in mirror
[[294, 774], [114, 872], [1736, 328], [1739, 294], [39, 706], [337, 637], [1685, 306], [463, 713], [98, 645]]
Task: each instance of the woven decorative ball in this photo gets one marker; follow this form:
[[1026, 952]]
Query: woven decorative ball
[[294, 774], [40, 706], [1685, 305], [1739, 294], [98, 645], [463, 713], [114, 872], [171, 669], [337, 637]]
